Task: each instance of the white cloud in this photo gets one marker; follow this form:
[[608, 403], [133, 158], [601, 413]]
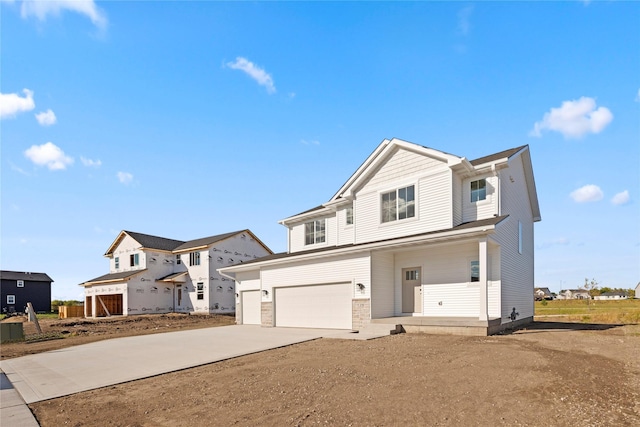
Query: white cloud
[[125, 178], [12, 103], [42, 9], [621, 198], [256, 73], [588, 193], [463, 20], [46, 118], [638, 96], [312, 142], [90, 162], [48, 155], [574, 119]]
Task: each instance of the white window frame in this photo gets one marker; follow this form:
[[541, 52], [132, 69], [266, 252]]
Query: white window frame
[[116, 262], [20, 284], [348, 212], [134, 260], [315, 232], [11, 299], [194, 258], [178, 259], [200, 290], [481, 193], [404, 208], [471, 271], [519, 237]]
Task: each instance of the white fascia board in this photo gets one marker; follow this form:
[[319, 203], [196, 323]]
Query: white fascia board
[[195, 248], [303, 216], [396, 243]]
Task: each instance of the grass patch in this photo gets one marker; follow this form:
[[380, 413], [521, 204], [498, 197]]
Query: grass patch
[[585, 311], [47, 315]]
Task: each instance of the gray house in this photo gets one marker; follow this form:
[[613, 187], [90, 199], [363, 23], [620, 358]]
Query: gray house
[[18, 288]]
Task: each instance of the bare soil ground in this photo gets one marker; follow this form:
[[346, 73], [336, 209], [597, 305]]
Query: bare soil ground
[[550, 374], [76, 331]]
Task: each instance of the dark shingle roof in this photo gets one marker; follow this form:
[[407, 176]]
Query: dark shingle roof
[[501, 155], [155, 242], [115, 276], [205, 241], [21, 275], [467, 225]]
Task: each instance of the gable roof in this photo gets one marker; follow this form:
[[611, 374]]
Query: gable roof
[[207, 241], [388, 146], [147, 241], [20, 275]]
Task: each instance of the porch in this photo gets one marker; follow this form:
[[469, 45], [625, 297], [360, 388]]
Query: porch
[[471, 326]]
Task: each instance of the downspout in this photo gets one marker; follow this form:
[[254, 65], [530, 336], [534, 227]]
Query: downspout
[[498, 193]]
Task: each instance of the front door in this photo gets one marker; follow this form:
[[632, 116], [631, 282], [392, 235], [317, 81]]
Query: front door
[[411, 290]]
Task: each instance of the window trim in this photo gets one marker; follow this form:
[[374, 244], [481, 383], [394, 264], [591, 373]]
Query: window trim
[[178, 259], [479, 191], [11, 299], [134, 260], [473, 279], [194, 258], [116, 262], [20, 283], [348, 212], [409, 206], [318, 235], [200, 291]]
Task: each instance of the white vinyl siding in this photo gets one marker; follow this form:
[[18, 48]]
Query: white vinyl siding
[[298, 237], [481, 209], [382, 285], [318, 306], [344, 230], [517, 269], [457, 199]]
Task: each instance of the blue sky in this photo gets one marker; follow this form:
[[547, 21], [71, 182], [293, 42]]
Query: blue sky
[[189, 119]]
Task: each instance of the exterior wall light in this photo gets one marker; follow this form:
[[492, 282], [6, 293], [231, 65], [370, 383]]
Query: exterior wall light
[[360, 286], [265, 292]]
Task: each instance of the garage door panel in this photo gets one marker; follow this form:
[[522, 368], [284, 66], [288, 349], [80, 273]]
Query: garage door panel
[[251, 310], [318, 306]]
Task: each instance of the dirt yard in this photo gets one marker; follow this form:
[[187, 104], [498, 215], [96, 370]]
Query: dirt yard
[[551, 374], [76, 331]]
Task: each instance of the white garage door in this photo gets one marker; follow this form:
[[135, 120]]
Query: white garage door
[[320, 306], [251, 310]]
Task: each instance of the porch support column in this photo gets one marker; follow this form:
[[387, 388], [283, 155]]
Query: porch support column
[[483, 261]]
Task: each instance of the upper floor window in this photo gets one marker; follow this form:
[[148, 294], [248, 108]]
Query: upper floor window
[[117, 262], [134, 259], [478, 190], [21, 283], [398, 204], [194, 258], [200, 289], [349, 212], [178, 259], [314, 232]]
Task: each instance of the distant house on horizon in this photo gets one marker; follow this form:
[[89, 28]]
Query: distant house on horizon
[[614, 295], [574, 294], [542, 294], [151, 274], [17, 288]]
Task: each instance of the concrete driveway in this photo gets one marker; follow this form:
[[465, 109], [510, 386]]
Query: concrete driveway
[[71, 370]]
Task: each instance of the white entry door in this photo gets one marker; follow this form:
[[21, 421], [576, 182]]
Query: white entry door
[[317, 306], [251, 307]]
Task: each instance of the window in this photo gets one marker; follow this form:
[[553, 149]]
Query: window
[[21, 283], [117, 260], [398, 204], [349, 216], [134, 259], [475, 271], [519, 237], [314, 232], [412, 275], [194, 258], [478, 190], [11, 299], [200, 287], [178, 260]]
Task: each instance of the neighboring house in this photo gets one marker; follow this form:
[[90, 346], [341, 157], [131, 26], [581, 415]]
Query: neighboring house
[[615, 295], [413, 232], [18, 288], [150, 274], [638, 291], [574, 294], [542, 294]]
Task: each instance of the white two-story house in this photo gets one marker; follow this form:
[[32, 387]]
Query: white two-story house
[[151, 274], [415, 235]]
